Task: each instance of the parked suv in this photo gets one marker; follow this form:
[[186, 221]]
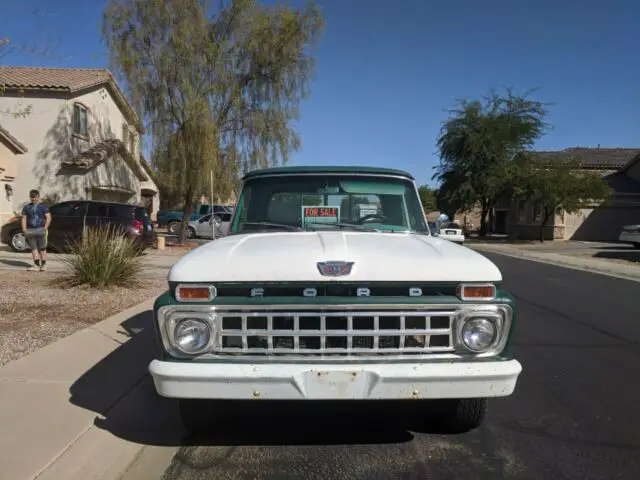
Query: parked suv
[[69, 218]]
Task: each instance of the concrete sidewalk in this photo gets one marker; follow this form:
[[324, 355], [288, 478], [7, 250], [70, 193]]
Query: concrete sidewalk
[[587, 264], [84, 407], [155, 264]]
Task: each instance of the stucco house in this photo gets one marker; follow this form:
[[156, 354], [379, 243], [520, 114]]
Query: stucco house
[[80, 139], [619, 167]]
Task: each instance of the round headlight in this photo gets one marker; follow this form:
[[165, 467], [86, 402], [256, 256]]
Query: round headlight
[[192, 335], [478, 334]]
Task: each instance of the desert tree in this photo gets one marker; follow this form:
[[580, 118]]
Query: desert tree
[[218, 83], [553, 185], [427, 198], [478, 141]]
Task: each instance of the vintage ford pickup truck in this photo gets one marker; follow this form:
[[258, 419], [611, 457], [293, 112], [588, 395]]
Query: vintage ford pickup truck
[[308, 300]]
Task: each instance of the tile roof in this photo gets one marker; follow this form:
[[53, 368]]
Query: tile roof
[[12, 141], [593, 158], [100, 153], [69, 80]]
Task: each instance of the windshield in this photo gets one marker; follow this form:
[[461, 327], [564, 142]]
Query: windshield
[[329, 202]]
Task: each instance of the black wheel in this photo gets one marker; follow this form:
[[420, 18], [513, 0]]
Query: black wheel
[[203, 415], [173, 227], [465, 414], [191, 233], [17, 242]]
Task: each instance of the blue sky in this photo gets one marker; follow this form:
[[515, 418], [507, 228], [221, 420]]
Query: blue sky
[[387, 71]]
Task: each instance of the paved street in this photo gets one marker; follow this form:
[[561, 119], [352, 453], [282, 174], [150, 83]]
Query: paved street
[[575, 413]]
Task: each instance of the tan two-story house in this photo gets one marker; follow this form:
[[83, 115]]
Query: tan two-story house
[[72, 134]]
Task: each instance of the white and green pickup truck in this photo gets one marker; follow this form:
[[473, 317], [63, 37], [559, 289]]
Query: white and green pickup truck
[[303, 302]]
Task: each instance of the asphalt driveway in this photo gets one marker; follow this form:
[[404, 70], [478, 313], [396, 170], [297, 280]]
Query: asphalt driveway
[[575, 413]]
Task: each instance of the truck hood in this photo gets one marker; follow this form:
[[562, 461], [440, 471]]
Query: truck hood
[[293, 257]]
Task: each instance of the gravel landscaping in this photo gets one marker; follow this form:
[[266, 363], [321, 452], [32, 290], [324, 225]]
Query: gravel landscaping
[[36, 310]]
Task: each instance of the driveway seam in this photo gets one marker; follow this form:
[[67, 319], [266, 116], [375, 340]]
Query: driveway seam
[[64, 450]]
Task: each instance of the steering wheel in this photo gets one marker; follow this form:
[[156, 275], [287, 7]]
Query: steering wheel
[[368, 218]]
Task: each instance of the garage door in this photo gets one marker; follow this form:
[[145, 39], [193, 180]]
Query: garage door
[[603, 224], [103, 195]]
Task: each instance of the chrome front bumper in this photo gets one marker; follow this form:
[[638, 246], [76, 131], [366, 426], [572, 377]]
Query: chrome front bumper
[[344, 381]]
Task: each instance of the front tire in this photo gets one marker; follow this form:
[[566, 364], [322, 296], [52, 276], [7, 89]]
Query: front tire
[[465, 414], [191, 233], [18, 242]]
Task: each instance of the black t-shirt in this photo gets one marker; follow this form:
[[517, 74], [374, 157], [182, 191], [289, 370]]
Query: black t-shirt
[[35, 213]]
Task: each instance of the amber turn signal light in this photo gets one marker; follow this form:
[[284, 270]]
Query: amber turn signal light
[[477, 292], [195, 293]]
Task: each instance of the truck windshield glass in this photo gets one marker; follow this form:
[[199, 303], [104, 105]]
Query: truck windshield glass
[[329, 202]]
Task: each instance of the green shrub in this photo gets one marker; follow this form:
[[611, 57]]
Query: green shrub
[[103, 257]]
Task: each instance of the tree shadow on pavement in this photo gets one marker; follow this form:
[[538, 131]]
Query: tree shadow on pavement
[[15, 263], [631, 255], [121, 393]]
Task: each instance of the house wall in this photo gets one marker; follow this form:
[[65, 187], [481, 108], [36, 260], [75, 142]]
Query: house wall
[[8, 170], [598, 223], [471, 217], [47, 132], [602, 223], [634, 172], [524, 221]]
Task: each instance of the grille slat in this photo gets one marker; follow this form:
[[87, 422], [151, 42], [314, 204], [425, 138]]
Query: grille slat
[[334, 332]]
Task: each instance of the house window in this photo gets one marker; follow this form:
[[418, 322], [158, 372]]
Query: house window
[[125, 134], [80, 126], [132, 143], [522, 211], [537, 212]]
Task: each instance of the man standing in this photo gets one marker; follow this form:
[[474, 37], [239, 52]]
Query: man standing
[[35, 223]]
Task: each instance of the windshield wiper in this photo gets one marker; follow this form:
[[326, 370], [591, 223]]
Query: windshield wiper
[[274, 225], [352, 226]]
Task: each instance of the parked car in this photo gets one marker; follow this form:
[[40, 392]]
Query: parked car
[[69, 218], [304, 302], [203, 228], [630, 234], [172, 219], [452, 231]]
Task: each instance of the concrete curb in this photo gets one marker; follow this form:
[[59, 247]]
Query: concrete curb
[[84, 406], [632, 276]]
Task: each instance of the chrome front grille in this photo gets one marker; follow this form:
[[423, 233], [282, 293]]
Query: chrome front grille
[[337, 333]]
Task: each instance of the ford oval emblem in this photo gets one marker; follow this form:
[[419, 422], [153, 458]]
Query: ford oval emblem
[[335, 268]]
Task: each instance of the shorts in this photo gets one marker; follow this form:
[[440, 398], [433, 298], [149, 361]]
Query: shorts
[[36, 239]]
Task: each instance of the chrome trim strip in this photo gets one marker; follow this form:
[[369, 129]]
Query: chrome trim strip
[[442, 308]]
